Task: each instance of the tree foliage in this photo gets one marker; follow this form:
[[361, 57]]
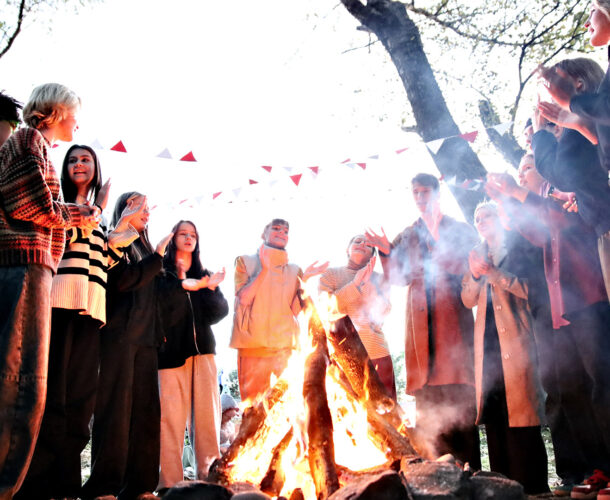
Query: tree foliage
[[490, 49], [15, 13]]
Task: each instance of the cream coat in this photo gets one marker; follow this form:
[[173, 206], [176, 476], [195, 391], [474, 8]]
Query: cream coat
[[269, 322], [524, 397]]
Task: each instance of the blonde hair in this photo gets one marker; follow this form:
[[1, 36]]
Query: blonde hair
[[604, 6], [49, 104]]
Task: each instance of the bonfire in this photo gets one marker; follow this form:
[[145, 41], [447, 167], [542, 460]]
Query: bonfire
[[327, 418]]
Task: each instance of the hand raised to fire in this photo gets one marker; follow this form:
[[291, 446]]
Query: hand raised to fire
[[379, 241], [313, 270], [216, 279]]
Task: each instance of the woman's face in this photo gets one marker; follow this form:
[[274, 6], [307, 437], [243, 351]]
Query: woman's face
[[185, 238], [487, 222], [140, 220], [529, 178], [358, 251], [81, 167], [65, 128], [598, 26]]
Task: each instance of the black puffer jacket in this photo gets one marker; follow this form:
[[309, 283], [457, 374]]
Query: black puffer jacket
[[186, 319]]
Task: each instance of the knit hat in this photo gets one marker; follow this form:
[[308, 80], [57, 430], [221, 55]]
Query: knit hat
[[227, 402]]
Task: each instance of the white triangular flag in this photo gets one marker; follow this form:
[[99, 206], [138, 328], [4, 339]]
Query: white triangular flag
[[502, 128], [435, 145], [236, 192], [164, 154], [289, 169], [97, 144]]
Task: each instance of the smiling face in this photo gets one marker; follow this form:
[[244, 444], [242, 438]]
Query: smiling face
[[140, 221], [276, 235], [598, 26], [186, 238], [358, 251], [81, 167]]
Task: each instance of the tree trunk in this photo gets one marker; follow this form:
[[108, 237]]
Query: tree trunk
[[390, 22], [506, 144]]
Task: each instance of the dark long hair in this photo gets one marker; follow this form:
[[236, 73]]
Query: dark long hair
[[69, 188], [141, 247], [169, 261]]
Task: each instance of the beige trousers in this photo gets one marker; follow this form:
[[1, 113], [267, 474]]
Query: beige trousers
[[189, 399]]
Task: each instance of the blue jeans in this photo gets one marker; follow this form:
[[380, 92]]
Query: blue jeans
[[25, 316]]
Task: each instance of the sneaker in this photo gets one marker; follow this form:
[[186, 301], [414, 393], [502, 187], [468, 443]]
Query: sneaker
[[604, 494], [591, 486]]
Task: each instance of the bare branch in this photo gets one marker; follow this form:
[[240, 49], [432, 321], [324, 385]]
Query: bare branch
[[17, 30]]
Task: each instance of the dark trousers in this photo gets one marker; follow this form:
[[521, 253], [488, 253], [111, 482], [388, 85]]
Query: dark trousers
[[583, 353], [126, 424], [25, 317], [570, 462], [55, 471], [516, 452], [445, 420]]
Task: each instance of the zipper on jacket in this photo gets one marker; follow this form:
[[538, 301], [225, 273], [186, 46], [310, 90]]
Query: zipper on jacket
[[188, 294]]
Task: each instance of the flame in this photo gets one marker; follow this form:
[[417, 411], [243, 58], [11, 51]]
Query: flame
[[354, 447]]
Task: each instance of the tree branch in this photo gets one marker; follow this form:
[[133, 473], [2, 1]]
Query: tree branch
[[20, 18]]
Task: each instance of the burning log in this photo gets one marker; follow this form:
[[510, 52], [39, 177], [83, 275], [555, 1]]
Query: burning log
[[321, 451], [252, 421], [385, 416], [273, 482]]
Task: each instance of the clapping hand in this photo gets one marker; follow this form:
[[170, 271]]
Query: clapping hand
[[102, 196], [559, 84], [364, 275], [478, 264], [162, 245]]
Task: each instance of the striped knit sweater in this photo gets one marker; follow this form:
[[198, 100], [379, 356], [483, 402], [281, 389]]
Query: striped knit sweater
[[366, 306], [33, 216], [80, 282]]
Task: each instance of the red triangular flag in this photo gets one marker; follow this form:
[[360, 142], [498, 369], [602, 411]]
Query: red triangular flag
[[398, 151], [346, 161], [252, 181], [470, 136], [362, 165], [188, 157], [119, 146], [267, 168], [296, 179], [216, 195], [315, 170], [183, 201], [55, 145]]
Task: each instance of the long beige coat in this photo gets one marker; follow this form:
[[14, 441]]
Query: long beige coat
[[524, 397]]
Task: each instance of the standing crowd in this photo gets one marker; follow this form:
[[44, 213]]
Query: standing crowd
[[98, 325]]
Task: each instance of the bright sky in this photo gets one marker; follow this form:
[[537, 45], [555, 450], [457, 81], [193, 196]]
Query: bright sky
[[241, 84]]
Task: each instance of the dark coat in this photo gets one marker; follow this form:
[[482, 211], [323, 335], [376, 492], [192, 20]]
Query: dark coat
[[572, 165], [131, 315], [186, 319], [596, 107]]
